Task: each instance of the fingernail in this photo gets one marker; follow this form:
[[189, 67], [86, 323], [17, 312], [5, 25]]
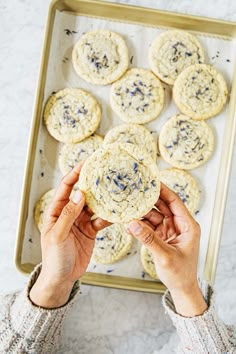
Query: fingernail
[[134, 227], [76, 197]]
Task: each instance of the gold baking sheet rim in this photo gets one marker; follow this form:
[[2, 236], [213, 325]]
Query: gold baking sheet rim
[[146, 17]]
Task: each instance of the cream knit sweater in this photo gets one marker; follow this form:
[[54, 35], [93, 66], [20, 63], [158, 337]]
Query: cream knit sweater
[[26, 328]]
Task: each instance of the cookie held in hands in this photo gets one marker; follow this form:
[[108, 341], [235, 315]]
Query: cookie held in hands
[[120, 182]]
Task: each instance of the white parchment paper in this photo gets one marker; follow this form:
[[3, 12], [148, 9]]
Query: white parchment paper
[[67, 30]]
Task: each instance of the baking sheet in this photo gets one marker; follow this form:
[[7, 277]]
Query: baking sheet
[[67, 30]]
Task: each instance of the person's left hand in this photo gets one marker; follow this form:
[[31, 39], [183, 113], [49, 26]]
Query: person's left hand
[[67, 243]]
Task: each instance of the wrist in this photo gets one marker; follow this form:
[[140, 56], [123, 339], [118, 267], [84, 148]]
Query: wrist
[[49, 294], [189, 302]]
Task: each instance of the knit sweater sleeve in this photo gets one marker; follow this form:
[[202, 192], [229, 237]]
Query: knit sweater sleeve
[[205, 333], [26, 328]]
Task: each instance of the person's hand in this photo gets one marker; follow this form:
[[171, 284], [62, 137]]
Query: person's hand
[[173, 237], [67, 243]]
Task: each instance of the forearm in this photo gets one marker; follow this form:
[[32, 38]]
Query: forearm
[[190, 302], [202, 332], [28, 328], [50, 295]]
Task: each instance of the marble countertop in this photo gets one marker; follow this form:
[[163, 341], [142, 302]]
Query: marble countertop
[[103, 321]]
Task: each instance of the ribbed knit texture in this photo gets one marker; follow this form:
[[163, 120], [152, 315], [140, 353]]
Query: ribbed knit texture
[[26, 328], [204, 334]]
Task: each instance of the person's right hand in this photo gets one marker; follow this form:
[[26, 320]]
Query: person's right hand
[[176, 259]]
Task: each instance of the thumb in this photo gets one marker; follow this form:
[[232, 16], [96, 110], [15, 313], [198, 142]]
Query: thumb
[[69, 214], [148, 237]]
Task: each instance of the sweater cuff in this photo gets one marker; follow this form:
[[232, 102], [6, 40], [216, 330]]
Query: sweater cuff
[[205, 332], [29, 320]]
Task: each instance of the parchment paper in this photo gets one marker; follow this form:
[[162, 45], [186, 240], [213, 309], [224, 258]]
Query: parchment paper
[[67, 30]]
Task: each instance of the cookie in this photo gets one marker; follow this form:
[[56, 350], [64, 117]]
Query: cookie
[[100, 57], [120, 182], [133, 134], [138, 97], [71, 154], [111, 244], [148, 262], [41, 207], [200, 92], [183, 184], [173, 51], [186, 143], [72, 115]]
